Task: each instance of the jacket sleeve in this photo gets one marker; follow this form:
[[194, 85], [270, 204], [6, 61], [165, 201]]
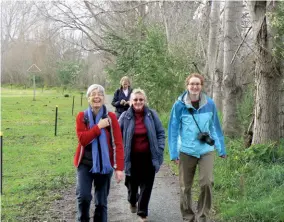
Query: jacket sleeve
[[173, 132], [217, 134], [116, 101], [120, 121], [160, 132], [160, 135], [118, 142], [85, 135]]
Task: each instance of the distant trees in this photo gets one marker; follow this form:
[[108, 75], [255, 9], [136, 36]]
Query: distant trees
[[68, 72], [237, 45]]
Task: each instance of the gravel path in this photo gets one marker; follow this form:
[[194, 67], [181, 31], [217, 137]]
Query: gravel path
[[164, 203]]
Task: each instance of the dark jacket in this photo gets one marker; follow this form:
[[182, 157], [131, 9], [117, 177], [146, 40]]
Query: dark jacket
[[155, 132], [118, 96]]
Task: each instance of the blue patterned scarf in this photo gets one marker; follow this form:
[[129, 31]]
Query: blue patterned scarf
[[102, 140]]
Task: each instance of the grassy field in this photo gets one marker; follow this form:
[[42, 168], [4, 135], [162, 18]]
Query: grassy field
[[36, 163]]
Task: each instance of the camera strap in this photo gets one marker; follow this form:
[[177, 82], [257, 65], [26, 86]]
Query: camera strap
[[190, 110]]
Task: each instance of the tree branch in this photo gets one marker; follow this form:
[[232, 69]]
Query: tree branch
[[240, 45]]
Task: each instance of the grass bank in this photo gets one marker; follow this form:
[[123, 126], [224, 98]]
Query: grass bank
[[37, 165], [248, 185]]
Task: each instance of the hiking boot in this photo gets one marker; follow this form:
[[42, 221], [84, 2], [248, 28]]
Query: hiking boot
[[133, 209]]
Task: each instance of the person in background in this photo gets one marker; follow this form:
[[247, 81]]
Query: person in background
[[194, 132], [121, 96], [99, 153], [144, 142]]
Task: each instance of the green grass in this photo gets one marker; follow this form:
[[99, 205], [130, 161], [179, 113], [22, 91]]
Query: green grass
[[248, 185], [249, 189], [36, 164]]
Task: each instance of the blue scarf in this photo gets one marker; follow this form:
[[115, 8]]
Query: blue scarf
[[102, 140]]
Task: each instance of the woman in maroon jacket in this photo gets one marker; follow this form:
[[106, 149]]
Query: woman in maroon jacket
[[99, 153]]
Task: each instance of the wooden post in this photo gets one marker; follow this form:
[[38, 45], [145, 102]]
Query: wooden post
[[34, 86], [1, 147], [56, 114], [73, 105], [81, 98]]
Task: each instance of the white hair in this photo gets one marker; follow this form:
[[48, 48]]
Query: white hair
[[138, 91], [93, 87]]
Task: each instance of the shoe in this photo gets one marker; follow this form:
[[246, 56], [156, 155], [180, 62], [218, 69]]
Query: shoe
[[143, 219], [133, 209]]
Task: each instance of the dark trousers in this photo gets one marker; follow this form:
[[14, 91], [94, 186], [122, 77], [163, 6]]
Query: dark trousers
[[85, 180], [142, 176]]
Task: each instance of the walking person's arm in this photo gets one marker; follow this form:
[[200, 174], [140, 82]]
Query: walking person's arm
[[173, 133]]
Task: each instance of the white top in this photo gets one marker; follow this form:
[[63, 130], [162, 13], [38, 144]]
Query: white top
[[125, 92]]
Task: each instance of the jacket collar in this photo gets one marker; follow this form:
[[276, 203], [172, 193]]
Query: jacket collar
[[130, 112], [183, 99]]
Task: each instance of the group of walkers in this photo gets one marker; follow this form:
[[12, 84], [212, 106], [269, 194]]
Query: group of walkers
[[131, 142]]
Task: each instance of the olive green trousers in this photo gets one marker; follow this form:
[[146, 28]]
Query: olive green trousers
[[187, 169]]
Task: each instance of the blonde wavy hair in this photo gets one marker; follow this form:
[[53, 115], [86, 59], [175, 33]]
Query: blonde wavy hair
[[138, 91], [124, 78]]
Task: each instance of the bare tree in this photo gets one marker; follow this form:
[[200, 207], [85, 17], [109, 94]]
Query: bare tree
[[218, 72], [214, 21], [233, 13], [267, 76]]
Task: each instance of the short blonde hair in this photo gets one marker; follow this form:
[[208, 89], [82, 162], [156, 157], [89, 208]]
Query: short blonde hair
[[197, 75], [124, 78], [138, 91]]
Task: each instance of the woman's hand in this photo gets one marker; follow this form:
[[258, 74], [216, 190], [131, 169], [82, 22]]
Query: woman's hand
[[119, 175], [176, 161], [103, 123], [122, 102]]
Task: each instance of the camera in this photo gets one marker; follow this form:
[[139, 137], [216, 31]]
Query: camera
[[205, 138]]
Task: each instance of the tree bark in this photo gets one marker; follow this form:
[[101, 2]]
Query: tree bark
[[281, 116], [218, 72], [212, 45], [267, 79], [233, 12]]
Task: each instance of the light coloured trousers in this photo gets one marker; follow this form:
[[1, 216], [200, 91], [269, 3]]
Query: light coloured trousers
[[187, 168]]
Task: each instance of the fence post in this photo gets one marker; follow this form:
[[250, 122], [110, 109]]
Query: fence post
[[81, 98], [56, 114], [73, 105], [1, 147]]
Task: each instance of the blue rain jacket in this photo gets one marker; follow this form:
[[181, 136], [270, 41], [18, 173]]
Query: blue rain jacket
[[183, 131]]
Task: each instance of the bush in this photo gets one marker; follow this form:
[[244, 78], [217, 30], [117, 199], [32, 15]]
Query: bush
[[151, 66]]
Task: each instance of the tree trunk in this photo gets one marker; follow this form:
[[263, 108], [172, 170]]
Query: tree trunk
[[281, 117], [233, 13], [267, 80], [218, 72], [165, 21], [212, 45]]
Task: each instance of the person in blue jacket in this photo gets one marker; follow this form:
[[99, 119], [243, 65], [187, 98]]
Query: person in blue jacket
[[121, 96], [194, 132], [144, 141]]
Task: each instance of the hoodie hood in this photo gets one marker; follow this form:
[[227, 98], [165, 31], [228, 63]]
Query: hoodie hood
[[184, 98]]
